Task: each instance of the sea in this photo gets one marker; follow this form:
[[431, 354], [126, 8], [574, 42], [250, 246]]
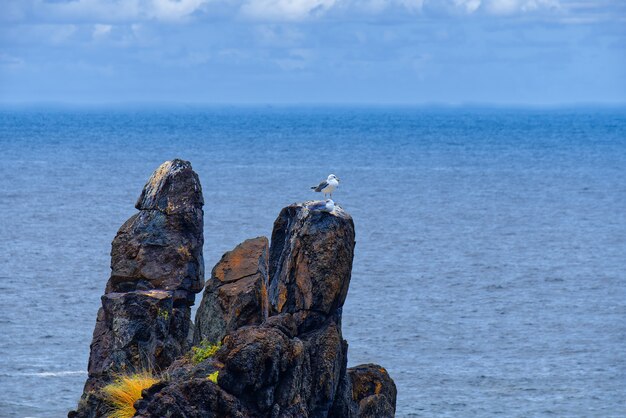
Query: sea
[[490, 265]]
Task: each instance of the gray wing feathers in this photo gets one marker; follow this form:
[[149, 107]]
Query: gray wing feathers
[[320, 186]]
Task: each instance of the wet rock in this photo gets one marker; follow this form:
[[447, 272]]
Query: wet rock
[[236, 294], [373, 390], [310, 260]]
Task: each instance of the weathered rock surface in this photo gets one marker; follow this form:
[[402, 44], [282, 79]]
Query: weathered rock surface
[[310, 260], [373, 390], [236, 294], [190, 398], [161, 246], [157, 267], [277, 312]]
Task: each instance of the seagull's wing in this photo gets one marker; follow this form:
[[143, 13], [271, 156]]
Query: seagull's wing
[[320, 186]]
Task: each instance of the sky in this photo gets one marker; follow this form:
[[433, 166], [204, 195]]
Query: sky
[[449, 52]]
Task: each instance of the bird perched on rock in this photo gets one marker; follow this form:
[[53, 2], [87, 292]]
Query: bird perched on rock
[[323, 205], [327, 186]]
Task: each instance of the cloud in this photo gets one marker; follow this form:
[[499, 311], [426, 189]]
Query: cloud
[[509, 7], [101, 31], [174, 9], [285, 9], [114, 12], [277, 35], [469, 6], [108, 11]]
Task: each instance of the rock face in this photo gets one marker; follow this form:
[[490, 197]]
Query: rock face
[[310, 260], [291, 363], [156, 269], [161, 246], [277, 312], [373, 390], [236, 295]]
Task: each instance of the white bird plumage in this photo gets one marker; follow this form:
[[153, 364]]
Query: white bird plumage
[[323, 205], [327, 186]]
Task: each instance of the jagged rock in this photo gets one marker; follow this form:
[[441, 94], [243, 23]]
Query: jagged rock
[[236, 294], [157, 267], [373, 390], [140, 330], [173, 188], [310, 260], [190, 398], [277, 311], [325, 349], [161, 246], [256, 360]]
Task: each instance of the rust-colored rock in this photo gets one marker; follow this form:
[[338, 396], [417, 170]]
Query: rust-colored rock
[[236, 294]]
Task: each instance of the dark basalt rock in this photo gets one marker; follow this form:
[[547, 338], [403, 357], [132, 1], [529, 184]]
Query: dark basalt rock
[[236, 294], [310, 260], [277, 312], [161, 246], [190, 398], [137, 330], [157, 267]]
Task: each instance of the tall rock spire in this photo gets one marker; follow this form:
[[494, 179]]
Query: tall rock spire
[[156, 270]]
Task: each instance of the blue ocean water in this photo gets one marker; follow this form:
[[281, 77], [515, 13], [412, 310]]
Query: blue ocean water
[[489, 275]]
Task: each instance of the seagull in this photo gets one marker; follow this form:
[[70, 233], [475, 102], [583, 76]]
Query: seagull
[[323, 205], [328, 186]]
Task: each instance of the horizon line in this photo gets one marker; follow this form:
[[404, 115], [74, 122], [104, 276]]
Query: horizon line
[[197, 104]]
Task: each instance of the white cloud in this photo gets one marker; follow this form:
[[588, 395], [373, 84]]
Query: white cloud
[[134, 11], [285, 9], [174, 9], [109, 11], [412, 5], [277, 35], [468, 6], [101, 31], [509, 7]]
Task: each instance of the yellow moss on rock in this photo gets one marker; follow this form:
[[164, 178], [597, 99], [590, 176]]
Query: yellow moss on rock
[[213, 376], [204, 350]]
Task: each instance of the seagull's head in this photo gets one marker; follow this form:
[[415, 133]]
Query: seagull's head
[[333, 177]]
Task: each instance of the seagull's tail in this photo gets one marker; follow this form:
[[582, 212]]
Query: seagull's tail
[[313, 187]]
